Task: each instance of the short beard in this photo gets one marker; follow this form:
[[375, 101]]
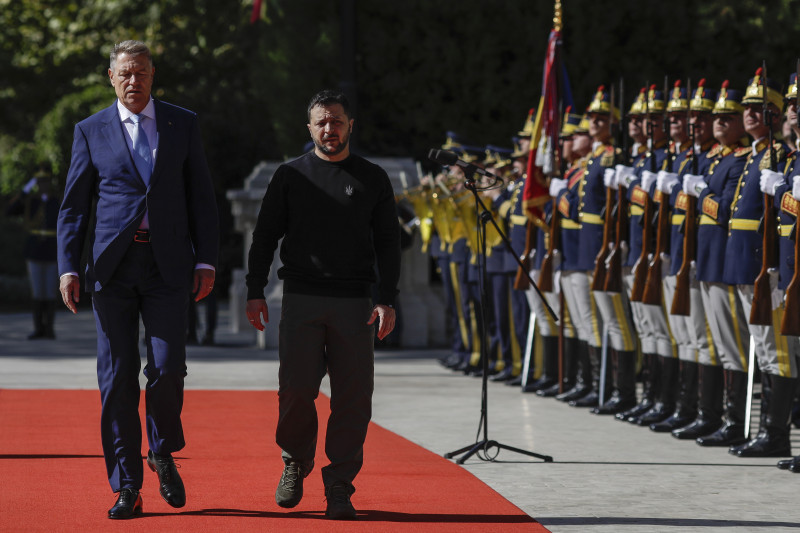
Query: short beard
[[338, 150]]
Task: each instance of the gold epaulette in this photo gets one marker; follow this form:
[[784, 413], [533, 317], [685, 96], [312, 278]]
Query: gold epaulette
[[715, 151], [742, 151], [609, 156], [780, 155]]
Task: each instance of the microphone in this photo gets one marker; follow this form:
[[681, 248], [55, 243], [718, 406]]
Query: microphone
[[448, 159]]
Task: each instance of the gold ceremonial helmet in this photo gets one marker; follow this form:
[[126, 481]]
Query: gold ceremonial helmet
[[639, 106], [703, 99], [754, 94], [729, 101]]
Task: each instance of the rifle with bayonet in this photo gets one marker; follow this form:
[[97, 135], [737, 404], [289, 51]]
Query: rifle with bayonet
[[653, 289], [761, 311], [614, 261], [640, 267], [682, 301], [599, 275], [790, 323]]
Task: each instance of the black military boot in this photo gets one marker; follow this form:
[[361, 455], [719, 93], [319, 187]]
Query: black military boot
[[624, 396], [38, 320], [665, 406], [592, 398], [686, 408], [569, 370], [650, 388], [773, 438], [709, 416], [550, 371], [583, 373], [732, 430]]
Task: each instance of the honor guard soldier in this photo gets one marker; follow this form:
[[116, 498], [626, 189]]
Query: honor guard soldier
[[500, 272], [787, 198], [773, 437], [667, 182], [451, 258], [649, 320], [622, 177], [743, 262], [689, 415], [726, 319], [548, 253], [574, 279]]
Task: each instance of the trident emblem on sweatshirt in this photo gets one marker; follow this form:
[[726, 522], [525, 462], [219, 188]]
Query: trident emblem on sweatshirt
[[348, 190]]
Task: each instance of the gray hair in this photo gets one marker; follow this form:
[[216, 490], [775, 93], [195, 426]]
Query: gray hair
[[131, 48]]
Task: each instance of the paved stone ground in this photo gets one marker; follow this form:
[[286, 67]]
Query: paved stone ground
[[607, 476]]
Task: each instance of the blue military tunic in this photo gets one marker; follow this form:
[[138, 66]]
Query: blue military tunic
[[743, 253], [570, 227], [637, 198], [714, 205], [678, 201], [788, 208], [586, 202]]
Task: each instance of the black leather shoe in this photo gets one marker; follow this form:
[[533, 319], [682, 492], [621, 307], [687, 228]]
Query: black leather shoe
[[795, 466], [129, 503], [170, 484], [549, 392], [727, 435], [635, 411], [655, 415], [785, 464], [615, 405], [699, 428], [676, 421], [503, 375], [575, 393], [766, 444], [516, 382], [589, 400]]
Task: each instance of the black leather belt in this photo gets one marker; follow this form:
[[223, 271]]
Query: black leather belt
[[141, 235]]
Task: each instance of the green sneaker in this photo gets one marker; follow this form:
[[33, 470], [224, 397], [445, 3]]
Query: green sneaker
[[339, 506], [290, 488]]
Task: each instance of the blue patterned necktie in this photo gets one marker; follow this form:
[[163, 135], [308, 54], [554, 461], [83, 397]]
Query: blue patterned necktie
[[143, 157]]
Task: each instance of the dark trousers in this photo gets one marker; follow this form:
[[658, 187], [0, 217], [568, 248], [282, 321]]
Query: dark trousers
[[319, 333], [138, 289]]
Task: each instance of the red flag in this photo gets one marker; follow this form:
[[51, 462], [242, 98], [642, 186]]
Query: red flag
[[545, 133], [254, 16]]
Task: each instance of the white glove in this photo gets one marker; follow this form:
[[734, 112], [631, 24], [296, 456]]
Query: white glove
[[796, 187], [648, 178], [769, 181], [666, 181], [693, 185], [625, 175], [30, 185], [610, 178], [556, 186]]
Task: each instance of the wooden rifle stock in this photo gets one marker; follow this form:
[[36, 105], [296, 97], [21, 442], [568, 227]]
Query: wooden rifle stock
[[521, 282], [653, 292], [599, 276], [790, 324], [546, 270], [640, 267], [761, 312], [681, 301], [614, 268]]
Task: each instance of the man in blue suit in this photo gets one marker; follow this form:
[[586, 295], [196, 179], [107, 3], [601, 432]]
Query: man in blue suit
[[154, 238]]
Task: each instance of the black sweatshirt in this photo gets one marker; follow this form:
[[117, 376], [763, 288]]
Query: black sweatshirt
[[336, 219]]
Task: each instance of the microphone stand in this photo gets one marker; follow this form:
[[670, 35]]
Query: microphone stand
[[485, 444]]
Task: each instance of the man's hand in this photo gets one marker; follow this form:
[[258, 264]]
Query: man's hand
[[203, 283], [70, 287], [385, 323], [256, 309]]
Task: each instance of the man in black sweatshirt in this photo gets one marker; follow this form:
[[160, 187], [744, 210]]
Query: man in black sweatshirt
[[336, 214]]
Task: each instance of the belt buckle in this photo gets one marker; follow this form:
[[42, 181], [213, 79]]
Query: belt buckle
[[141, 236]]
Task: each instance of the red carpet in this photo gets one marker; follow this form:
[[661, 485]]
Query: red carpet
[[52, 476]]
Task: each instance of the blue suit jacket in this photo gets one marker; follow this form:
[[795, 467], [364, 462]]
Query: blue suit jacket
[[180, 198]]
